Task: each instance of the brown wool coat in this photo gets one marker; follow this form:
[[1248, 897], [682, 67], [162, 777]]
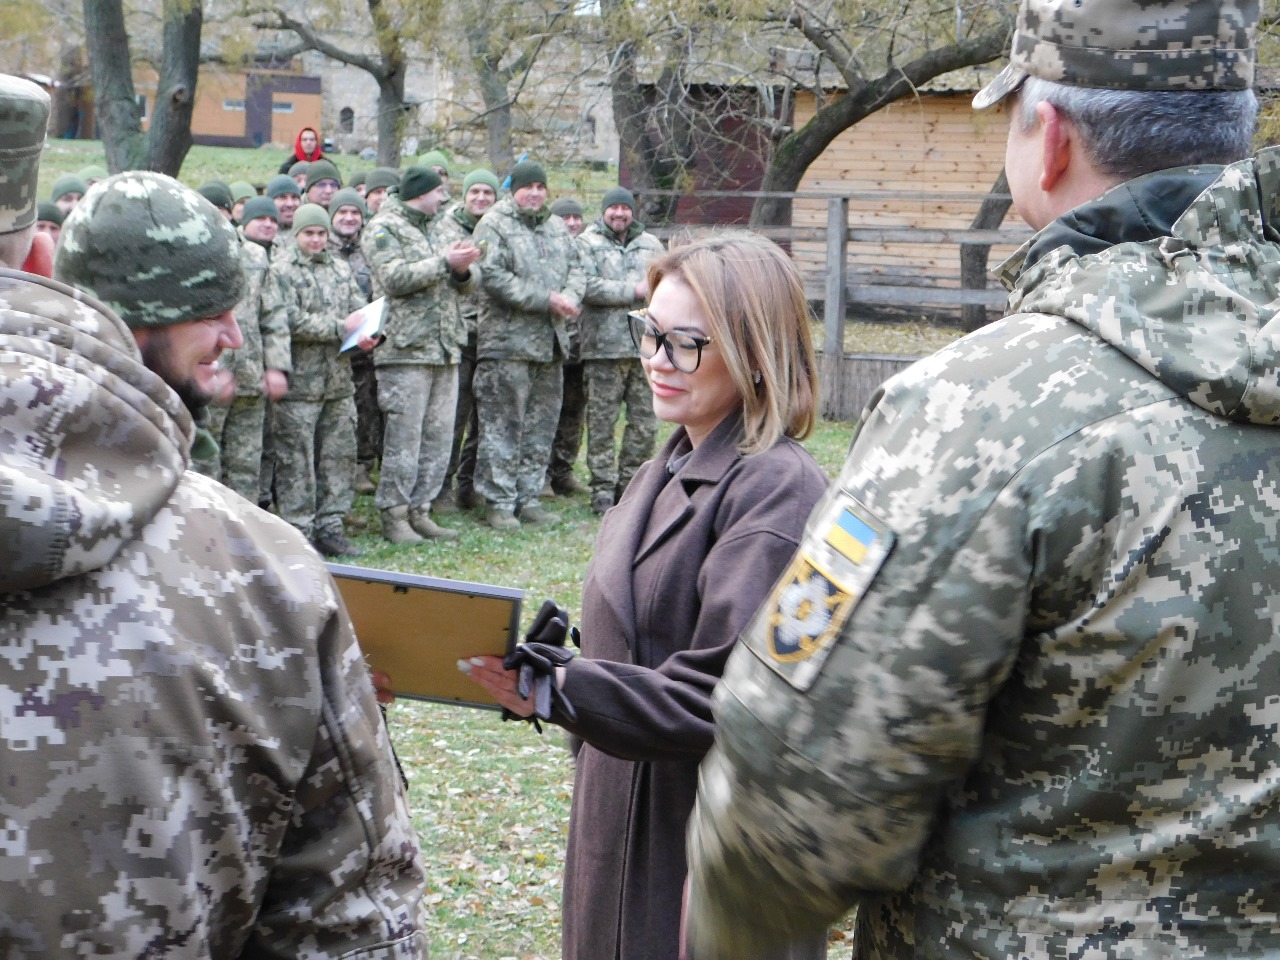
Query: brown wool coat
[[657, 626]]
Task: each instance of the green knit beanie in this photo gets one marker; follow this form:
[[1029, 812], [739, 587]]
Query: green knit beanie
[[310, 215], [319, 170], [256, 207], [525, 173], [618, 195], [69, 183], [381, 177], [153, 250], [433, 158], [417, 181], [347, 197], [281, 185], [242, 190], [480, 175]]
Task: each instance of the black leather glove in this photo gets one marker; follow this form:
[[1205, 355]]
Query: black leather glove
[[536, 660]]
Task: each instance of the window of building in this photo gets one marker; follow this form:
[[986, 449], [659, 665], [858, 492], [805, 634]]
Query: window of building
[[282, 106], [233, 105], [347, 120]]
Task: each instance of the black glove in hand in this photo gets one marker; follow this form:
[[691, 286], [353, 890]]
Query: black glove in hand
[[536, 660]]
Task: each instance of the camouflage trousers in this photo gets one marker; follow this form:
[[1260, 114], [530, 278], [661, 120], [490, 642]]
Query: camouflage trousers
[[315, 462], [238, 430], [519, 404], [568, 440], [418, 402], [611, 385], [466, 426], [267, 473], [368, 414]]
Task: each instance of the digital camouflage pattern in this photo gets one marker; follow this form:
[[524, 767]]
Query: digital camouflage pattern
[[1131, 45], [447, 228], [612, 267], [195, 765], [529, 256], [24, 121], [519, 406], [151, 249], [423, 323], [613, 385], [313, 425], [418, 401], [567, 442], [1017, 695], [613, 373]]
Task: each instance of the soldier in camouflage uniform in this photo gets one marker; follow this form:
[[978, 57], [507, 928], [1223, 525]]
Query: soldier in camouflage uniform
[[1017, 694], [314, 423], [533, 283], [418, 362], [573, 398], [261, 370], [479, 192], [348, 215], [194, 761], [615, 251]]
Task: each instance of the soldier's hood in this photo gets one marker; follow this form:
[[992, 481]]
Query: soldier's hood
[[92, 443], [1180, 271]]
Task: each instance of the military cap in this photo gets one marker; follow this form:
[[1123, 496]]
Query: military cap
[[24, 120], [526, 172], [322, 170], [242, 190], [566, 207], [92, 174], [358, 178], [382, 177], [347, 197], [1172, 45], [299, 169], [480, 175], [256, 207], [282, 184], [432, 158], [310, 215], [618, 195], [153, 250], [417, 181], [217, 193], [47, 210]]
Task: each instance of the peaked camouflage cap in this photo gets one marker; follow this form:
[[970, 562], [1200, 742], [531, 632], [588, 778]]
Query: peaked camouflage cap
[[1172, 45], [24, 120], [153, 250]]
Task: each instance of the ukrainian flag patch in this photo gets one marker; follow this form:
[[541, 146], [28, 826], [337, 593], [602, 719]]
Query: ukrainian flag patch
[[840, 556]]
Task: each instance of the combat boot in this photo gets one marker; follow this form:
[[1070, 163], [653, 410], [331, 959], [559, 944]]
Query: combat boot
[[363, 483], [501, 519], [537, 514], [420, 520], [396, 528], [445, 503]]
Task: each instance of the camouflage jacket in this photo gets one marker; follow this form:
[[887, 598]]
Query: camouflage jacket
[[423, 323], [1017, 694], [449, 227], [529, 257], [348, 249], [315, 293], [613, 267], [266, 333], [194, 761]]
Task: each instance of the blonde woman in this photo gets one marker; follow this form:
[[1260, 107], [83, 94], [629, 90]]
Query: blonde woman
[[680, 564]]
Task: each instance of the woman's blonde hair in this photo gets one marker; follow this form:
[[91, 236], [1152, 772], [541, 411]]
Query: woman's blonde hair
[[754, 300]]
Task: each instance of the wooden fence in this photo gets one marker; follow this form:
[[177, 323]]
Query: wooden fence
[[866, 261]]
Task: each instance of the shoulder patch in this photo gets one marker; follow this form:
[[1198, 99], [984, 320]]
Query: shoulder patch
[[812, 602]]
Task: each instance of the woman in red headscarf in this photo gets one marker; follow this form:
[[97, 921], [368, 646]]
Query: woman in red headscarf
[[305, 147]]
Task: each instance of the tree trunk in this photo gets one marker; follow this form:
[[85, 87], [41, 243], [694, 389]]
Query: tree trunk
[[112, 70], [170, 134], [497, 104], [973, 256], [391, 117]]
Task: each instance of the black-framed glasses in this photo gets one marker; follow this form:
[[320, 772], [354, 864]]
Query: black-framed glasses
[[684, 350]]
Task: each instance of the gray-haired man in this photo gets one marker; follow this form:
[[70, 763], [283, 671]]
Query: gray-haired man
[[1016, 696]]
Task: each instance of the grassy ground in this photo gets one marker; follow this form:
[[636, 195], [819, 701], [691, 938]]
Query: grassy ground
[[491, 799]]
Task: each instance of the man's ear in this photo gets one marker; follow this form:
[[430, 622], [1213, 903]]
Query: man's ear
[[1058, 144]]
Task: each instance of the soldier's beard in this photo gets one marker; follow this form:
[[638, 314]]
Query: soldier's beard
[[158, 358]]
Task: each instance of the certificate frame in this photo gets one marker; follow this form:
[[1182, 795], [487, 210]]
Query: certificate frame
[[416, 628]]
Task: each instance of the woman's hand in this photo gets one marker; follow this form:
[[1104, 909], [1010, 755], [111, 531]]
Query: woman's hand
[[501, 683]]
